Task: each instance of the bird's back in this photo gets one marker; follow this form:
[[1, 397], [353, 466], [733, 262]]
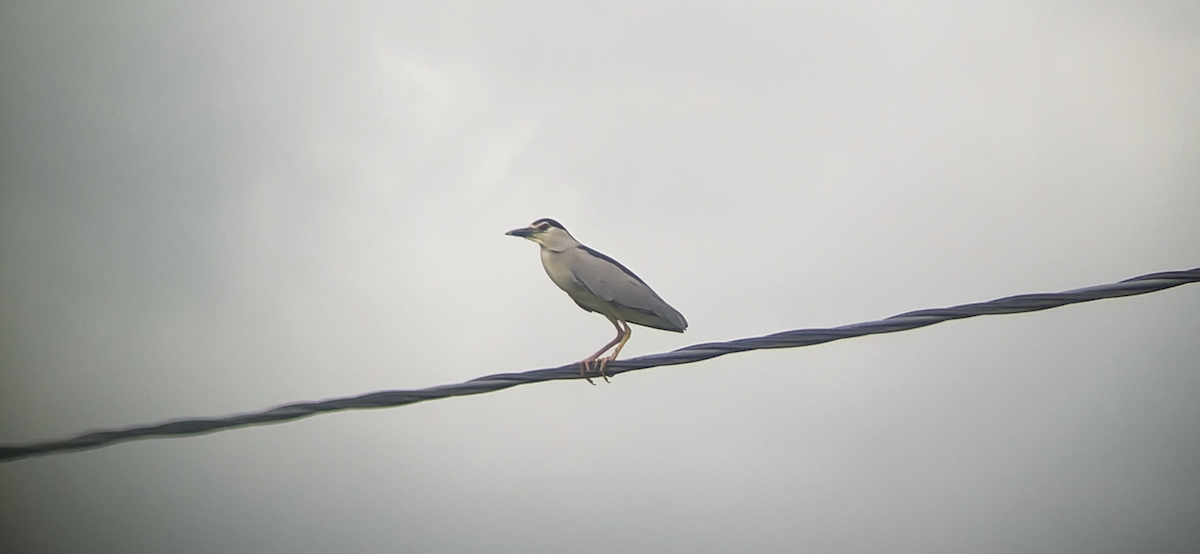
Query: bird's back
[[624, 294]]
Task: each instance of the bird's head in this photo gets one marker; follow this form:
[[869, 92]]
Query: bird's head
[[546, 232]]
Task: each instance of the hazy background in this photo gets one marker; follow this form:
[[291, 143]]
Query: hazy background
[[224, 206]]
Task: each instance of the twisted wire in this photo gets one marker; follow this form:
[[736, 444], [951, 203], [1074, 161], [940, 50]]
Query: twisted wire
[[787, 339]]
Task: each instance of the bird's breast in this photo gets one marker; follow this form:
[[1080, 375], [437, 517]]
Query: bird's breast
[[558, 267]]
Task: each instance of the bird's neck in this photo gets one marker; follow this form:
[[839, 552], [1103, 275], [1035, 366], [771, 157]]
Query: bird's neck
[[560, 244], [557, 249]]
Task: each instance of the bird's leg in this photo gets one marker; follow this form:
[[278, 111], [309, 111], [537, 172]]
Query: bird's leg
[[585, 364], [624, 336]]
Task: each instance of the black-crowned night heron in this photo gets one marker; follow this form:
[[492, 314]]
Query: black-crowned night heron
[[599, 284]]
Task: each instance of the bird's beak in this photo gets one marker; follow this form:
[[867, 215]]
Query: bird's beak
[[523, 232]]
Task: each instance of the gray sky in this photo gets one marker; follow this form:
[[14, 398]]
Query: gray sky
[[223, 206]]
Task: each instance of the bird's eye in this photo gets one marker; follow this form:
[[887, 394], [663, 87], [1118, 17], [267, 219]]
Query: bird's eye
[[543, 226]]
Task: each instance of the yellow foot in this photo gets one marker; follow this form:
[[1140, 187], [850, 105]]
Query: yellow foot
[[585, 369], [603, 362]]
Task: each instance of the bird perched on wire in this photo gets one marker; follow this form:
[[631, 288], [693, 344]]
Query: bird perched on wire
[[599, 284]]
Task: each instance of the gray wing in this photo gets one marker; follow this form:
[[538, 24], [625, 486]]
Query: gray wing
[[619, 287]]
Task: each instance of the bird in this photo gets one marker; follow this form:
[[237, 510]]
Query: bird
[[598, 283]]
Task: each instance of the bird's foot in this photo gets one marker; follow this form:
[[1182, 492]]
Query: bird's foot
[[585, 369], [603, 362]]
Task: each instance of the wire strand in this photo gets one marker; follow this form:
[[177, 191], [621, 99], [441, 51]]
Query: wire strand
[[689, 354]]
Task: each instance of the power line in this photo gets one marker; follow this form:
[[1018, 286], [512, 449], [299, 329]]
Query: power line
[[695, 353]]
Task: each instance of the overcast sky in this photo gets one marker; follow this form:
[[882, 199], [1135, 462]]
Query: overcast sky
[[217, 207]]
